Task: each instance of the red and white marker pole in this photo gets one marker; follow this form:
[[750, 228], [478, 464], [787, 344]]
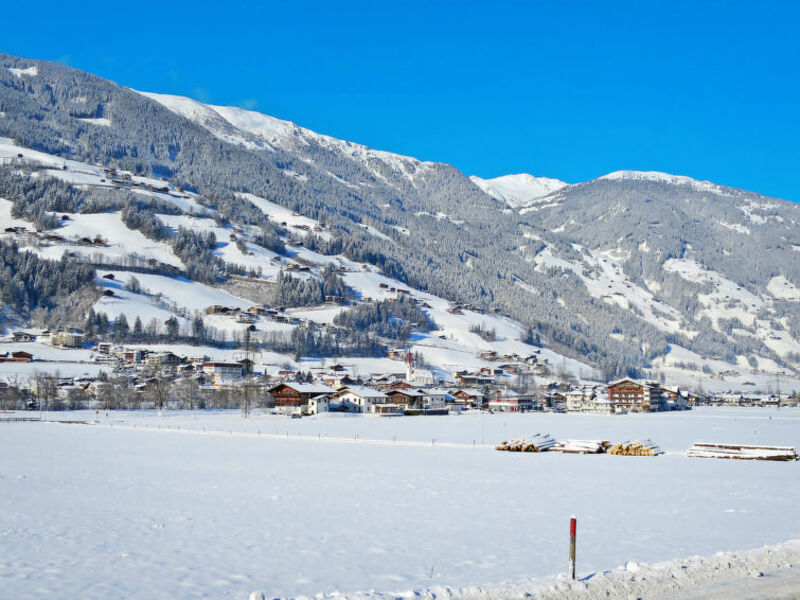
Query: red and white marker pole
[[573, 529]]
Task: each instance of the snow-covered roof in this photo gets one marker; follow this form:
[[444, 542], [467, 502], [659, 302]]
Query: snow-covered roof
[[435, 391], [362, 391], [409, 392], [310, 388]]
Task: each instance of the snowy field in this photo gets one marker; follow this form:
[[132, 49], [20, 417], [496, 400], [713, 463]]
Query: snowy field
[[189, 505]]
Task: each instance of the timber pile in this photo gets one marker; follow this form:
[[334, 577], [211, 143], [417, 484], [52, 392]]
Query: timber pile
[[742, 452], [540, 442], [642, 448], [582, 447]]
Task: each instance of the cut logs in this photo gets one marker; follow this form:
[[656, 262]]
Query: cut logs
[[540, 442], [742, 452], [582, 447], [642, 448]]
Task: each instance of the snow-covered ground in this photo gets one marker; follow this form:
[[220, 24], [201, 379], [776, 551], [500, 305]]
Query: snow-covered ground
[[96, 511]]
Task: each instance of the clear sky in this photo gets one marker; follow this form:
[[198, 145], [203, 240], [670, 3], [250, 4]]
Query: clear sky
[[571, 90]]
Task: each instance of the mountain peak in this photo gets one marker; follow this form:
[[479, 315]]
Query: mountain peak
[[657, 176], [518, 190]]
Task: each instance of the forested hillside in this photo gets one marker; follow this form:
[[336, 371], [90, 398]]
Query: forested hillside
[[615, 270]]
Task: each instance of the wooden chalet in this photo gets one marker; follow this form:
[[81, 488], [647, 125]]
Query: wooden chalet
[[628, 395], [297, 394]]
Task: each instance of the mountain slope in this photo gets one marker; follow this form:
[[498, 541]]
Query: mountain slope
[[623, 271]]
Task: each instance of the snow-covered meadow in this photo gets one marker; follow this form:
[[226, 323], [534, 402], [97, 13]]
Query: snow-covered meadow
[[206, 504]]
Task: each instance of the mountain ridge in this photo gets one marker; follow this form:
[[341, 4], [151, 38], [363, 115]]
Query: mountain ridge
[[588, 266]]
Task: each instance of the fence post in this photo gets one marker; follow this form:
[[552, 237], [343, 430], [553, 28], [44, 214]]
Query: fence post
[[573, 527]]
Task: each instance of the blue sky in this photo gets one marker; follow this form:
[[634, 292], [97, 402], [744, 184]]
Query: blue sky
[[571, 90]]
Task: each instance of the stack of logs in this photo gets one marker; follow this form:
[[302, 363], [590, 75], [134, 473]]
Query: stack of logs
[[540, 442], [582, 447], [742, 452], [643, 448]]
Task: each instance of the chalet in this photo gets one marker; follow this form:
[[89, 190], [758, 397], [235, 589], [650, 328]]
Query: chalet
[[407, 397], [488, 355], [631, 396], [365, 398], [297, 394], [103, 348], [466, 378], [23, 336], [245, 317], [257, 310], [16, 357], [468, 397]]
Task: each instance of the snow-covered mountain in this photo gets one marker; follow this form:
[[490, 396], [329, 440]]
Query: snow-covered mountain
[[519, 191], [633, 269], [258, 131]]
